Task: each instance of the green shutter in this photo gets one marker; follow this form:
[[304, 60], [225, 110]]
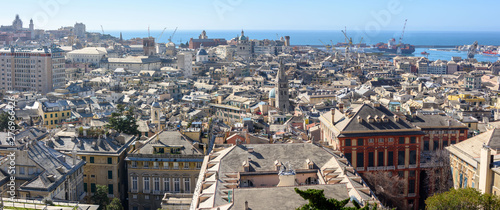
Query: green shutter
[[92, 187]]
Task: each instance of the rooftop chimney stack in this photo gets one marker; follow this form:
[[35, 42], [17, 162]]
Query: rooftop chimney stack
[[333, 115], [341, 107]]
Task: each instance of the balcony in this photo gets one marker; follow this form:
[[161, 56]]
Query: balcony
[[133, 190], [411, 194], [401, 167], [157, 192], [146, 191], [413, 166], [371, 169], [360, 168], [390, 168], [381, 168]]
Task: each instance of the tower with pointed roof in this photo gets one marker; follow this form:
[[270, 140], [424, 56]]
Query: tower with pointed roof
[[282, 100]]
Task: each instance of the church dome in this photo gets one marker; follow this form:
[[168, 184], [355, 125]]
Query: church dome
[[202, 52], [155, 105], [272, 93], [243, 38]]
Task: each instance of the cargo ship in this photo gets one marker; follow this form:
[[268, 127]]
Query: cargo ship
[[392, 47], [490, 53]]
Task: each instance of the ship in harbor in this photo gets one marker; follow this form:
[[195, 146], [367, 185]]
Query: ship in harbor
[[393, 47], [490, 53]]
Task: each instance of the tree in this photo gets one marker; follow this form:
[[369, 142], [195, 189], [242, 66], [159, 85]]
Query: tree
[[100, 197], [123, 121], [115, 204], [463, 198], [5, 122], [387, 187], [439, 177], [318, 201]]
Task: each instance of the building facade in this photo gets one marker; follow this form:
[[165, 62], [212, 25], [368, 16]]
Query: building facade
[[167, 163], [372, 138], [40, 70]]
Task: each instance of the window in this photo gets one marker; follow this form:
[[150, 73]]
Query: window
[[413, 140], [134, 183], [348, 156], [177, 184], [187, 186], [436, 145], [110, 160], [401, 158], [176, 165], [165, 165], [110, 174], [92, 187], [401, 140], [146, 164], [426, 145], [198, 165], [56, 114], [347, 142], [156, 184], [370, 140], [411, 187], [166, 184], [62, 114], [380, 140], [91, 159], [51, 115], [390, 139], [21, 170], [146, 184], [413, 157], [186, 165], [371, 159], [359, 159], [85, 187], [380, 159], [360, 142], [110, 189], [463, 131], [134, 164]]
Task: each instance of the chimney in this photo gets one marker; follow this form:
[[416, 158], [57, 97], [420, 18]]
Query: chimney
[[398, 109], [360, 120], [246, 205], [376, 104], [396, 118], [74, 156], [333, 115], [341, 107], [250, 149], [484, 169]]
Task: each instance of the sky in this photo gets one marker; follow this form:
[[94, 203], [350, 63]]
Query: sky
[[422, 15]]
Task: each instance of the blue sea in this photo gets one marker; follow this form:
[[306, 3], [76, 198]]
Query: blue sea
[[304, 37]]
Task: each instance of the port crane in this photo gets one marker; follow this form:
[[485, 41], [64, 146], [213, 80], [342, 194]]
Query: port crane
[[170, 38], [472, 50], [161, 34], [333, 46], [102, 29], [328, 47], [401, 39]]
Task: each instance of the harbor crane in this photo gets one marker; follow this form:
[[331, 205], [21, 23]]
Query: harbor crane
[[348, 39], [333, 46], [402, 33], [171, 36], [102, 29], [472, 50], [328, 47], [161, 34]]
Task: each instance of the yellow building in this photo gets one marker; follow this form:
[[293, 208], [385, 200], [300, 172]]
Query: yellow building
[[54, 114], [474, 162], [468, 98], [104, 156]]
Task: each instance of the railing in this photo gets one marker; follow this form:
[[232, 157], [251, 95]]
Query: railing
[[381, 168], [401, 167], [411, 194], [360, 168], [412, 166], [391, 167], [372, 168], [133, 191]]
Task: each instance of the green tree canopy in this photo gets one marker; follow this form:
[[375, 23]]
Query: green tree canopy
[[115, 204], [100, 197], [318, 201], [123, 121], [463, 198], [4, 121]]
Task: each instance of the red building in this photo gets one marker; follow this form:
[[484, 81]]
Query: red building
[[373, 138]]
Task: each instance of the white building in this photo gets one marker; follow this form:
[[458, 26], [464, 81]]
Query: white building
[[437, 67], [92, 55], [202, 55], [185, 63]]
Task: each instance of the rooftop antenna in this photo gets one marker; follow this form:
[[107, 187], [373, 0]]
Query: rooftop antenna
[[149, 34]]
